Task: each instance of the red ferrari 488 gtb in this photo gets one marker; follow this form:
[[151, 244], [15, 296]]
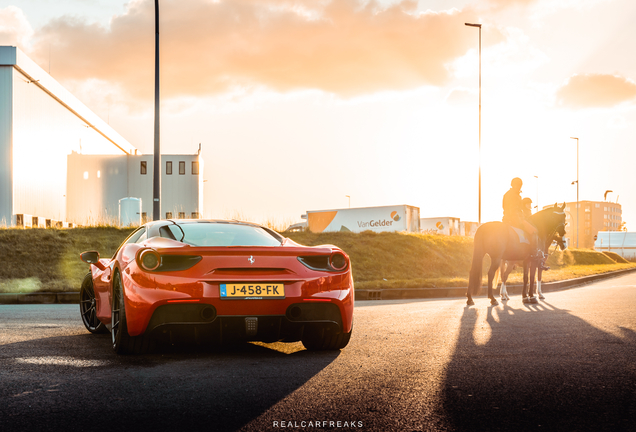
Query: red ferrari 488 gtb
[[211, 281]]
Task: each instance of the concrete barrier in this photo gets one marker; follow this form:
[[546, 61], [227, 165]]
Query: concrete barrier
[[9, 298], [68, 297], [40, 298]]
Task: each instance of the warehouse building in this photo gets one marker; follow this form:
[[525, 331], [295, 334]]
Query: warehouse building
[[96, 183], [60, 163]]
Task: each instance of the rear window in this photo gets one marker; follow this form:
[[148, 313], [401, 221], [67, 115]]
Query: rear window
[[135, 237], [222, 234]]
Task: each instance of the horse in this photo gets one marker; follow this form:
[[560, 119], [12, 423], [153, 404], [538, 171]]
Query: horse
[[501, 242], [507, 266]]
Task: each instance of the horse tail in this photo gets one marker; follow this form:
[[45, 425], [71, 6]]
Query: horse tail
[[474, 279]]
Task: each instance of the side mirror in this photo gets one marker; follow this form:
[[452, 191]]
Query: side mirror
[[92, 257]]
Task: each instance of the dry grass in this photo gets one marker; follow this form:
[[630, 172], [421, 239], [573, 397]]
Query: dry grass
[[616, 257], [41, 259], [48, 259], [102, 221], [392, 259]]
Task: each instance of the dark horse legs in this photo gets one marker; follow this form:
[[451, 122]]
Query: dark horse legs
[[494, 266], [529, 269]]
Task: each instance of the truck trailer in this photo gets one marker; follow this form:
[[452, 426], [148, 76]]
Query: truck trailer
[[378, 219], [440, 225]]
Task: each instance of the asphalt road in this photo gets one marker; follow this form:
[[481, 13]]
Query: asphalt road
[[567, 364]]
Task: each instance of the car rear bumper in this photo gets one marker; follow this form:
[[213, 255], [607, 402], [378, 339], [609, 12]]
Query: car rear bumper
[[198, 305], [201, 324]]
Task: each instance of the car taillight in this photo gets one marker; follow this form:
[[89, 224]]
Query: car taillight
[[338, 261], [334, 262], [149, 259], [178, 262]]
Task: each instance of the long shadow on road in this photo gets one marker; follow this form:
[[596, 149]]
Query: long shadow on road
[[539, 368], [78, 383]]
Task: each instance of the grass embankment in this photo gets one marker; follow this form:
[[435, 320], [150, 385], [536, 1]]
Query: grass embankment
[[394, 260], [48, 259], [616, 257]]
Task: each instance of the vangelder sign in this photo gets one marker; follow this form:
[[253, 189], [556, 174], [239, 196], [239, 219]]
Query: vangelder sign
[[379, 219]]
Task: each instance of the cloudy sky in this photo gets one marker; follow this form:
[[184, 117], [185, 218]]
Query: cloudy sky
[[298, 103]]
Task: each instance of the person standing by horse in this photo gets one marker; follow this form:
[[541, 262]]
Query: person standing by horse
[[516, 214], [527, 207]]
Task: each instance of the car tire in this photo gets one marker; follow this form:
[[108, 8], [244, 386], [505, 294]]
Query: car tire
[[321, 339], [123, 343], [87, 305]]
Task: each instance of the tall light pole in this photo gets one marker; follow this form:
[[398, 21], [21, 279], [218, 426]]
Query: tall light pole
[[349, 200], [609, 247], [156, 172], [577, 213], [577, 191], [605, 198], [479, 26]]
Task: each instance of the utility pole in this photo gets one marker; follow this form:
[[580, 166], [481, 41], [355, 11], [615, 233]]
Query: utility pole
[[156, 172], [479, 26], [577, 191]]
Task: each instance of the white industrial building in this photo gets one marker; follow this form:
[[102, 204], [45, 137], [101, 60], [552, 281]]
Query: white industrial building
[[620, 242], [96, 183], [60, 163]]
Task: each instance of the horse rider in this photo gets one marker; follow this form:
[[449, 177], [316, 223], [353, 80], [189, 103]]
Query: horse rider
[[527, 208], [516, 214]]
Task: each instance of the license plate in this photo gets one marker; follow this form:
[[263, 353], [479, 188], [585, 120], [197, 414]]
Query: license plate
[[253, 291]]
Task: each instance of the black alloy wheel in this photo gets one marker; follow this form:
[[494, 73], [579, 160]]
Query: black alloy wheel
[[123, 343], [118, 316], [88, 306]]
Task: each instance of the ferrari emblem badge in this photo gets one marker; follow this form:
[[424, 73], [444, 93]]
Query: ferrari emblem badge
[[251, 259]]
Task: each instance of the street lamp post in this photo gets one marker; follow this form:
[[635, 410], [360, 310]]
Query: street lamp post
[[479, 26], [577, 212], [577, 191], [609, 235], [156, 172], [607, 192]]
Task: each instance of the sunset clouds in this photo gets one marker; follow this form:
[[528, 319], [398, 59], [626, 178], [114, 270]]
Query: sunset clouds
[[210, 47], [14, 27], [596, 90], [377, 93]]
